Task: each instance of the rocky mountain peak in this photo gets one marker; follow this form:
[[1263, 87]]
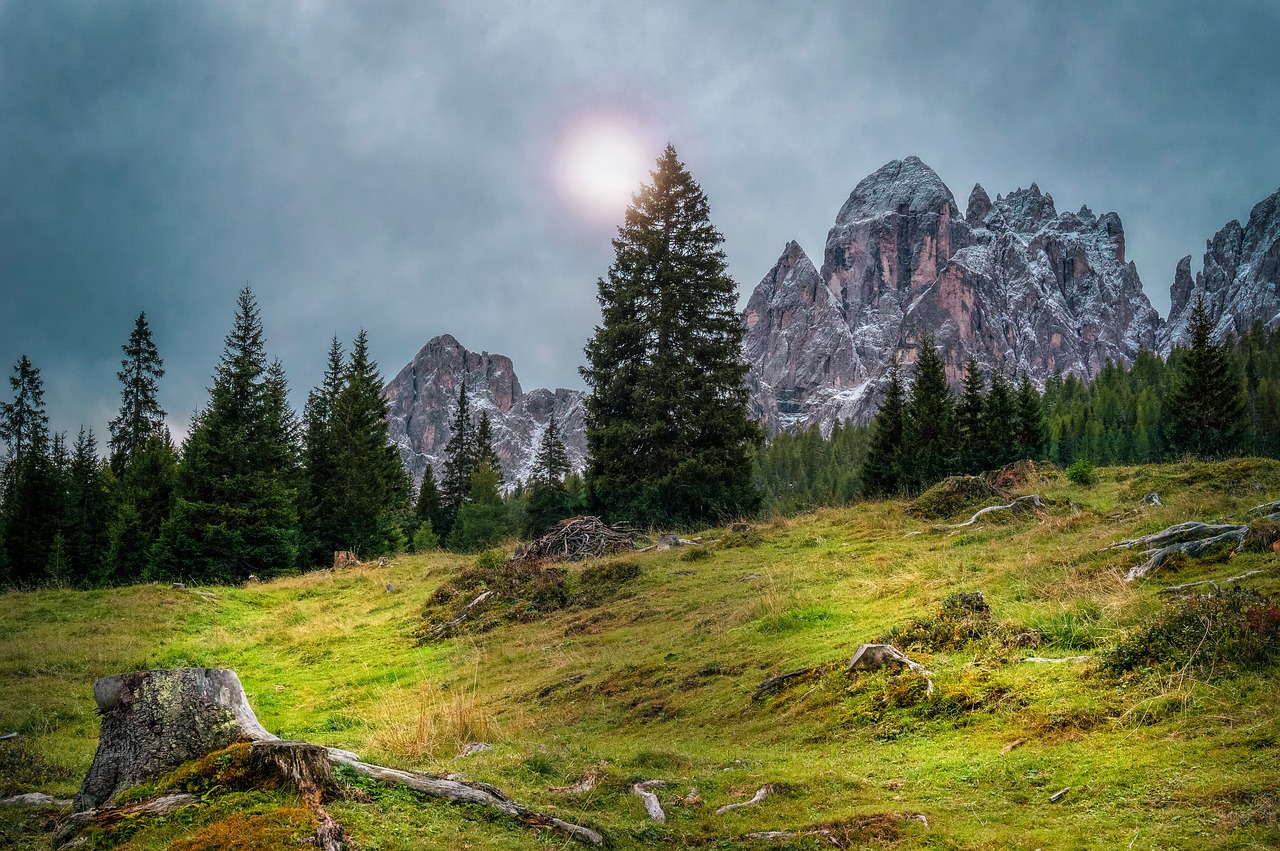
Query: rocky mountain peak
[[1024, 210], [1240, 278], [979, 205], [898, 186], [1013, 283], [424, 400]]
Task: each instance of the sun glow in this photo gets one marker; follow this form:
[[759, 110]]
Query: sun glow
[[600, 162]]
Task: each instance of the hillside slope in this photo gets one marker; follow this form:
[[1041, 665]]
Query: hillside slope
[[650, 675]]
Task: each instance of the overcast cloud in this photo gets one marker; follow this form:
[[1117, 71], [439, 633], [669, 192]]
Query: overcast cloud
[[388, 165]]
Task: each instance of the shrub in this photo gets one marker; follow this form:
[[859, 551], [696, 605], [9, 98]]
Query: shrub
[[950, 496], [425, 539], [963, 617], [1209, 632], [1081, 472]]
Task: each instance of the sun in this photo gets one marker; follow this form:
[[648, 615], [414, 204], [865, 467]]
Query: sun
[[600, 162]]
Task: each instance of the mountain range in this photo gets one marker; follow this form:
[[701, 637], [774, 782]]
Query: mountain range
[[1012, 282]]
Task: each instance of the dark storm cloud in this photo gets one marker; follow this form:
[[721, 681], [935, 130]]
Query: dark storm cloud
[[386, 165]]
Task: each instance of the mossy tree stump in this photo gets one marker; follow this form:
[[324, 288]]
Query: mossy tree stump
[[154, 721]]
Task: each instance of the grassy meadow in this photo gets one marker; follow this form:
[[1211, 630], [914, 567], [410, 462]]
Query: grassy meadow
[[653, 679]]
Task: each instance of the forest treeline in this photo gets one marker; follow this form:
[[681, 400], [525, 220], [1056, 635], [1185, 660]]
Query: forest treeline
[[1205, 400], [258, 489]]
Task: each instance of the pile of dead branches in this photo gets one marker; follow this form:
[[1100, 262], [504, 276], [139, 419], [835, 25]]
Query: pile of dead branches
[[578, 538]]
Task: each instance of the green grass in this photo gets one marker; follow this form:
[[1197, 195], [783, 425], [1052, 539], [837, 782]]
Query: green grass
[[654, 681]]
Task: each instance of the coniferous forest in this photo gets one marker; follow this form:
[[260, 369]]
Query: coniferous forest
[[258, 489]]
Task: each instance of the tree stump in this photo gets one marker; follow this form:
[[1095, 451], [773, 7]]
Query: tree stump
[[154, 721]]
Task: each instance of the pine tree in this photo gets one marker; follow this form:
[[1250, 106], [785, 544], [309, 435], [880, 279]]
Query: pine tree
[[548, 501], [426, 512], [31, 509], [481, 521], [1207, 413], [320, 504], [236, 511], [880, 474], [485, 453], [459, 463], [145, 494], [23, 422], [968, 420], [667, 426], [928, 437], [140, 414], [1032, 432], [87, 513], [999, 422], [368, 470]]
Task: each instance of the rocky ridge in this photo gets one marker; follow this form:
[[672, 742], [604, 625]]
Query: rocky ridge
[[1013, 282], [424, 400], [1240, 280]]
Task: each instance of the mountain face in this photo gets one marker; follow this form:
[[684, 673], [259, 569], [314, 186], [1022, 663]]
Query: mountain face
[[424, 401], [1240, 280], [1013, 283]]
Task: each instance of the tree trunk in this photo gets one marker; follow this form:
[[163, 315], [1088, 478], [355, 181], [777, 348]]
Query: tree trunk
[[154, 721]]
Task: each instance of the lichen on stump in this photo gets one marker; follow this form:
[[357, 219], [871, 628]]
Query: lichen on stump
[[154, 721]]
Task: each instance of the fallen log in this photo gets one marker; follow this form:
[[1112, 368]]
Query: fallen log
[[873, 657], [155, 721], [1031, 502]]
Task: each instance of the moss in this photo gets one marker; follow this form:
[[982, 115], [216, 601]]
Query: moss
[[286, 827]]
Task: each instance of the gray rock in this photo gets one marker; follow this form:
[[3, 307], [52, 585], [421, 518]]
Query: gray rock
[[1240, 280], [1013, 283], [424, 399]]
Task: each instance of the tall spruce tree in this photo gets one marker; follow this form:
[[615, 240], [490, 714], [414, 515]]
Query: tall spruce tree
[[320, 504], [999, 422], [667, 426], [23, 422], [87, 512], [368, 469], [485, 453], [426, 511], [968, 420], [1207, 408], [144, 499], [140, 414], [31, 509], [548, 500], [881, 474], [236, 511], [1032, 433], [459, 463], [928, 432]]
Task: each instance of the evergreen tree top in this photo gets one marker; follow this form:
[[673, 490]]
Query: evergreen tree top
[[140, 413], [24, 425]]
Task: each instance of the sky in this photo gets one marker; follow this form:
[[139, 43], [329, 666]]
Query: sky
[[419, 168]]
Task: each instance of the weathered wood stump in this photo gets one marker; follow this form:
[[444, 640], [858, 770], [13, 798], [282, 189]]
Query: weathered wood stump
[[154, 721]]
